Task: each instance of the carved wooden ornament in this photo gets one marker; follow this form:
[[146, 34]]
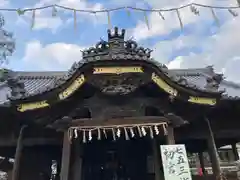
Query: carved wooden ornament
[[72, 88], [117, 70], [32, 106], [163, 85], [201, 100]]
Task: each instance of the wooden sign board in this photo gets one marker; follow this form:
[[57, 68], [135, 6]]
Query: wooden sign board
[[175, 162]]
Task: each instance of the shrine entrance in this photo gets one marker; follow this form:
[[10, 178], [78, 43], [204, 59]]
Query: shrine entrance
[[115, 160]]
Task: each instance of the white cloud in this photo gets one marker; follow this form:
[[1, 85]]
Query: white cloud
[[44, 19], [4, 3], [52, 56], [171, 22], [220, 50]]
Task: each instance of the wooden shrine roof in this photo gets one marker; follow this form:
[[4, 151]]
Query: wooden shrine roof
[[19, 86], [35, 81]]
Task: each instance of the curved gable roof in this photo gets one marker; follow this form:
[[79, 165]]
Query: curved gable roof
[[29, 84], [33, 81]]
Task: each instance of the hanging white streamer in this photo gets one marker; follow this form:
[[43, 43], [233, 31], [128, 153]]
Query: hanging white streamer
[[90, 135], [151, 132], [126, 134], [84, 136], [156, 130], [75, 134], [143, 131], [215, 17], [132, 132]]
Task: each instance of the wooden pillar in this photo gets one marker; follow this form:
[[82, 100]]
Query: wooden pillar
[[66, 153], [235, 152], [157, 159], [77, 164], [201, 160], [17, 159], [213, 152], [170, 135]]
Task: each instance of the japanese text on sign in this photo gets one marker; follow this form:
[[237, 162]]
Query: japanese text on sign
[[175, 162]]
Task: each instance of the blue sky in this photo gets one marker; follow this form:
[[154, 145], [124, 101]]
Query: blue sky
[[53, 44]]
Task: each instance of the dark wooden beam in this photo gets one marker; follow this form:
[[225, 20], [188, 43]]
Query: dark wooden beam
[[91, 122], [29, 142]]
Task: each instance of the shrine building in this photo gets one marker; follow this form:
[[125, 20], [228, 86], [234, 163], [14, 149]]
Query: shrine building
[[106, 117]]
